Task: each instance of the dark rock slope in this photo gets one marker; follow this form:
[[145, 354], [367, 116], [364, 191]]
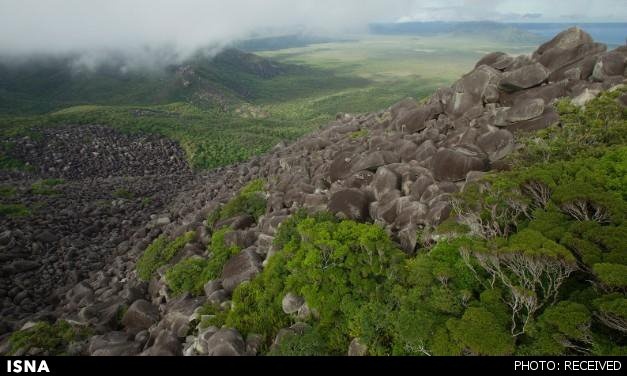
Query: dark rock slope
[[397, 167]]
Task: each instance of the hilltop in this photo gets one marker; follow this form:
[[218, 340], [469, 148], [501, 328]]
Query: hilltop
[[486, 219]]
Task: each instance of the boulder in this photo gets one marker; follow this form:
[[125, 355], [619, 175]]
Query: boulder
[[385, 180], [475, 82], [350, 204], [113, 344], [356, 348], [341, 166], [425, 151], [226, 342], [496, 60], [454, 164], [438, 213], [525, 110], [609, 64], [496, 144], [566, 40], [407, 150], [386, 208], [417, 189], [373, 160], [242, 267], [413, 121], [140, 315], [166, 344], [524, 77], [406, 104], [240, 238], [360, 179], [461, 103], [239, 222], [549, 117], [410, 212], [291, 303]]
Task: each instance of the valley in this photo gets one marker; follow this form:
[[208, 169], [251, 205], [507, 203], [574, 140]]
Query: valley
[[288, 93], [378, 195]]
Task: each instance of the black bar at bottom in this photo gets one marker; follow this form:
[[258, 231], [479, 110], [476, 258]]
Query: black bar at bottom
[[114, 366]]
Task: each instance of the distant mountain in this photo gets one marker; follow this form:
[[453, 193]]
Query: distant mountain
[[490, 30], [613, 34], [46, 83]]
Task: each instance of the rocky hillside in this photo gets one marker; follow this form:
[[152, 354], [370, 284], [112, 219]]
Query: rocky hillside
[[218, 274]]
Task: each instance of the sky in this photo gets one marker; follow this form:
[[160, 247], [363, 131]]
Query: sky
[[59, 26]]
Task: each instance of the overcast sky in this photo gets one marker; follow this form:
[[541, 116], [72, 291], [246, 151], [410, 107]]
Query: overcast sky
[[62, 25]]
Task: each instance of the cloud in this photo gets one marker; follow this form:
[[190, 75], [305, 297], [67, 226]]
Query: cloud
[[142, 29], [64, 25]]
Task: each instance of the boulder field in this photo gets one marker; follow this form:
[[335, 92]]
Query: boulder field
[[398, 168]]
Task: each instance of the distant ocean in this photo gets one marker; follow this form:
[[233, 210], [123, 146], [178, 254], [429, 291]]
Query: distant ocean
[[614, 34]]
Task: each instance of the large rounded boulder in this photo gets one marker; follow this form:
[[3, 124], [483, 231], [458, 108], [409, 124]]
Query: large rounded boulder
[[525, 77], [350, 204], [453, 164]]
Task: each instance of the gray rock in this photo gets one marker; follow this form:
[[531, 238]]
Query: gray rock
[[385, 180], [350, 203], [113, 344], [372, 161], [140, 315], [548, 118], [212, 286], [525, 110], [242, 267], [240, 238], [453, 164], [226, 342], [291, 303], [497, 144], [356, 348], [524, 77]]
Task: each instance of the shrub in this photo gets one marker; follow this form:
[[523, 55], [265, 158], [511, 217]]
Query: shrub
[[613, 276], [310, 343], [159, 253], [192, 274], [52, 338], [612, 311], [14, 210], [480, 333], [336, 266], [7, 191], [250, 200], [123, 193], [46, 187], [212, 315], [186, 276]]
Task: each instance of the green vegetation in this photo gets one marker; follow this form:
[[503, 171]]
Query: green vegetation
[[159, 253], [7, 191], [53, 339], [239, 105], [190, 275], [534, 263], [123, 193], [249, 200], [14, 210], [46, 187], [212, 315]]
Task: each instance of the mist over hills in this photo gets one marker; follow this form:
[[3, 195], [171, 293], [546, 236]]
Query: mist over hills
[[223, 81]]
